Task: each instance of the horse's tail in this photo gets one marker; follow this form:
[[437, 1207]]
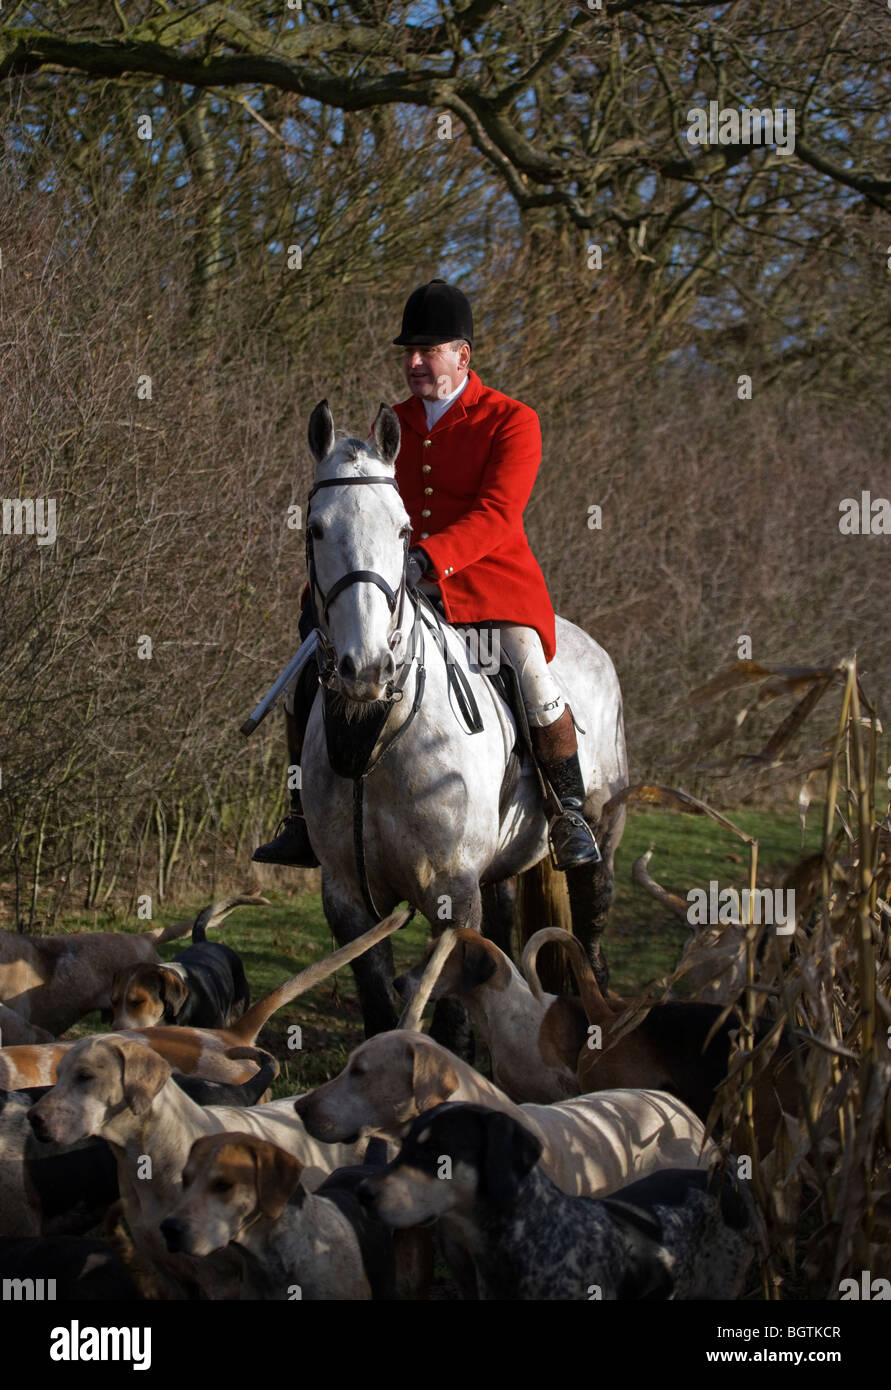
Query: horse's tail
[[543, 901]]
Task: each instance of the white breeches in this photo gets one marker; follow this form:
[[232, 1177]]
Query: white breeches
[[541, 695]]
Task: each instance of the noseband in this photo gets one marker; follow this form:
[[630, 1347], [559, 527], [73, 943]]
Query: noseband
[[393, 597]]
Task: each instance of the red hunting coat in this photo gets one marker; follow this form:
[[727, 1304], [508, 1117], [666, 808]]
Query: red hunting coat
[[465, 484]]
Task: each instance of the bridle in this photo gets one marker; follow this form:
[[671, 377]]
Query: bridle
[[328, 665]]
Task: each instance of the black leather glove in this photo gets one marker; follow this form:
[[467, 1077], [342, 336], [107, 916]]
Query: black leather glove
[[417, 567]]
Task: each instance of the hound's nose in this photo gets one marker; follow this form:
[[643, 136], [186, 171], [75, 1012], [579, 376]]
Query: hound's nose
[[38, 1125], [173, 1230], [367, 1192]]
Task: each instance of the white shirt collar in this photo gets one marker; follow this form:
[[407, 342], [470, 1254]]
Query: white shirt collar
[[434, 410]]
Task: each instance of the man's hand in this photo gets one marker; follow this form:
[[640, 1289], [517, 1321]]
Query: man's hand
[[416, 568]]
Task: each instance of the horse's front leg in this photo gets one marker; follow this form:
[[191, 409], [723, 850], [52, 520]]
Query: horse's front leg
[[373, 971], [499, 902]]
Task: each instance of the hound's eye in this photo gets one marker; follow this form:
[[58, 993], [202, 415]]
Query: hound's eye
[[221, 1186], [82, 1076], [315, 530]]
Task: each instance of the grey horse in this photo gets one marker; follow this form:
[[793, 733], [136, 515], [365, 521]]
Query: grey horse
[[429, 813]]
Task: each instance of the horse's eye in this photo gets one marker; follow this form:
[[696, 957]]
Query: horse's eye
[[405, 531], [315, 530]]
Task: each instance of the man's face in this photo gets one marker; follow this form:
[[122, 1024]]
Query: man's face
[[435, 372]]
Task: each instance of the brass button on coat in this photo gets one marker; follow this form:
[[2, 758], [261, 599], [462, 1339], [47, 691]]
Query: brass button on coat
[[425, 512]]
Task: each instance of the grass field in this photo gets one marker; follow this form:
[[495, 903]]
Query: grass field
[[642, 941]]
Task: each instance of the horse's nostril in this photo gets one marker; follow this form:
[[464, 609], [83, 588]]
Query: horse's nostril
[[388, 667], [348, 667]]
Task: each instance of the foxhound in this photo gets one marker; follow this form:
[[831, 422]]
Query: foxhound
[[677, 1234], [238, 1187], [590, 1144], [679, 1046], [114, 1088], [533, 1041], [53, 981]]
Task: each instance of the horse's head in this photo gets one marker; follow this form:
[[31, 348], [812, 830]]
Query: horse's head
[[357, 542]]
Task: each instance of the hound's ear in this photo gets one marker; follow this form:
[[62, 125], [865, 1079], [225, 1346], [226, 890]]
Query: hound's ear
[[387, 434], [511, 1152], [174, 991], [119, 981], [433, 1079], [278, 1174], [478, 964], [321, 432], [144, 1072]]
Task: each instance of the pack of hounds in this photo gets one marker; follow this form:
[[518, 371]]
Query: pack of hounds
[[149, 1163]]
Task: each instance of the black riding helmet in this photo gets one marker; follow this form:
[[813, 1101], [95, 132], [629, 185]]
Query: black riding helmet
[[435, 313]]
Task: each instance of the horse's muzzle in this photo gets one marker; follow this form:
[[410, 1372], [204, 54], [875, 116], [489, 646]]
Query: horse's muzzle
[[372, 682]]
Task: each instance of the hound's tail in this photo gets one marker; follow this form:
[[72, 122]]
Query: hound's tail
[[249, 1025], [209, 917], [212, 916], [597, 1009], [669, 900], [542, 897]]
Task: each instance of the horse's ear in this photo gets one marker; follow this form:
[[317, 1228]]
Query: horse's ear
[[387, 435], [321, 432]]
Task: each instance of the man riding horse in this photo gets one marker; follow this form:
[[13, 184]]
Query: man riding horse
[[467, 463]]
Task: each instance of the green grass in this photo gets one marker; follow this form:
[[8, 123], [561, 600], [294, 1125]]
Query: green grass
[[642, 940]]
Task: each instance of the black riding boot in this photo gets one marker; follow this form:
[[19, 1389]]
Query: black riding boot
[[571, 837], [291, 844]]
